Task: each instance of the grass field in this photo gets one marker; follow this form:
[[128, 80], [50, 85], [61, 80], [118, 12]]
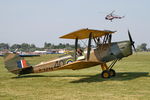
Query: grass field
[[131, 83]]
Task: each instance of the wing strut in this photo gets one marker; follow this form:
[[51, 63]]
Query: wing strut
[[89, 46], [76, 47]]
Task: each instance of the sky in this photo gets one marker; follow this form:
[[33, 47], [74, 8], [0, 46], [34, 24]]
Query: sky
[[39, 21]]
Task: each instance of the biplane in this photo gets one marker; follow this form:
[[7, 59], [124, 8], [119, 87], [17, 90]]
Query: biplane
[[104, 51]]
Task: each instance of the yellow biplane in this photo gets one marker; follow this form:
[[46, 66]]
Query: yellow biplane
[[103, 52]]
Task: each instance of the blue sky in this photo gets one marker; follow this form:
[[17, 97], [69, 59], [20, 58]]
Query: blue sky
[[39, 21]]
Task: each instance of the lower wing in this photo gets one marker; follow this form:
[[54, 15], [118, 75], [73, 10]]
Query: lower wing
[[80, 65]]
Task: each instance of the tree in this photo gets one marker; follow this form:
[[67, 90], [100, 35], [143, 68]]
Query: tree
[[47, 45], [61, 46], [25, 47], [15, 46], [32, 47], [142, 47], [4, 46]]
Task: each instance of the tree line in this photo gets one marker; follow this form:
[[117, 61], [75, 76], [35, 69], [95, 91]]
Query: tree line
[[25, 47]]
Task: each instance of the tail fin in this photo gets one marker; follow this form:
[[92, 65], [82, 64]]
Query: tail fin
[[16, 64]]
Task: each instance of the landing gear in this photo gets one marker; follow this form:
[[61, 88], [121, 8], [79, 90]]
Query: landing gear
[[105, 74], [108, 71], [112, 72]]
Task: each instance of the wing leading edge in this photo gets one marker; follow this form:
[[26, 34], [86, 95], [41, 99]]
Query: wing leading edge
[[84, 33]]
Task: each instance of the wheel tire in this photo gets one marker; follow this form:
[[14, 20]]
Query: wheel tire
[[112, 72], [105, 74]]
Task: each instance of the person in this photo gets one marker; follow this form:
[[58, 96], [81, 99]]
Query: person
[[79, 52]]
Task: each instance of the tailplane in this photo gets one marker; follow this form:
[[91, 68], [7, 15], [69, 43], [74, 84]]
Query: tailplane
[[16, 64]]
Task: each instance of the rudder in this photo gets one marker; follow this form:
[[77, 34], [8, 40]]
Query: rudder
[[16, 64]]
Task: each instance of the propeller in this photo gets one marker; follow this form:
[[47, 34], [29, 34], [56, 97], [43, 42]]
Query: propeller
[[132, 42]]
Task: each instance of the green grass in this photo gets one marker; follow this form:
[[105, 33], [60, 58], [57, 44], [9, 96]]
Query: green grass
[[131, 83]]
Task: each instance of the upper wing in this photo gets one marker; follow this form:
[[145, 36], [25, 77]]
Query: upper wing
[[84, 33], [80, 65]]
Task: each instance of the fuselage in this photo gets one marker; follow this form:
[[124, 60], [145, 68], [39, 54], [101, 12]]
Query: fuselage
[[103, 53], [109, 52]]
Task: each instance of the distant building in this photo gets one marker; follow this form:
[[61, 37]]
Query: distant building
[[51, 51], [40, 52], [56, 51]]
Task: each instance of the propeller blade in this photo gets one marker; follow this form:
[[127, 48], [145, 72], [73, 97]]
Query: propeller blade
[[132, 42], [134, 48], [130, 38]]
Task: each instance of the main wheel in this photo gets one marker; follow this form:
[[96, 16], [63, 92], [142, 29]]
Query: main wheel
[[112, 72], [105, 74]]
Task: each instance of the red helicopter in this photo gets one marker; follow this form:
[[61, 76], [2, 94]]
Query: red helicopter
[[111, 16]]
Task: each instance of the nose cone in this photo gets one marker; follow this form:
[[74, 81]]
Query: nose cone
[[125, 48]]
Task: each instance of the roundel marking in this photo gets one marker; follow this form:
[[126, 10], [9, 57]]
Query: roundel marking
[[69, 61]]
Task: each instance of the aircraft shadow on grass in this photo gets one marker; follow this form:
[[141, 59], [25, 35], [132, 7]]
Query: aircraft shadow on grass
[[34, 76], [121, 76]]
